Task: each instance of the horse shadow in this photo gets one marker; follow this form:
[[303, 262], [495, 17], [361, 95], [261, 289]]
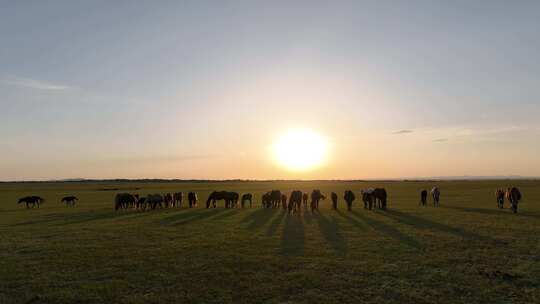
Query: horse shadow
[[258, 218], [191, 216], [275, 223], [423, 223], [293, 237], [505, 212], [389, 231], [331, 232]]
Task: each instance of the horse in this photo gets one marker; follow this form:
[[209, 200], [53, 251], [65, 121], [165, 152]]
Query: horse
[[123, 201], [423, 197], [349, 197], [141, 203], [168, 200], [192, 199], [284, 201], [275, 198], [499, 194], [514, 196], [334, 200], [153, 200], [230, 198], [305, 197], [316, 196], [267, 200], [69, 200], [31, 200], [368, 198], [178, 197], [246, 197], [295, 201], [435, 194], [380, 196]]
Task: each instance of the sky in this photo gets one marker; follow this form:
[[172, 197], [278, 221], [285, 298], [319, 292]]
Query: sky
[[204, 89]]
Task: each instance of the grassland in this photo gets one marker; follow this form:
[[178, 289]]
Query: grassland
[[466, 251]]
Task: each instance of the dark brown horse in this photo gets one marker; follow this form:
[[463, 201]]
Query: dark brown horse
[[154, 200], [423, 197], [247, 197], [349, 197], [316, 197], [275, 197], [334, 200], [381, 197], [305, 197], [368, 198], [284, 201], [31, 200], [192, 199], [267, 200], [167, 200], [123, 201], [513, 196], [499, 195], [230, 198], [295, 202], [69, 200], [177, 199]]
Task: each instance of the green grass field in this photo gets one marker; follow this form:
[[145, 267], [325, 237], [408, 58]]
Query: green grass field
[[466, 251]]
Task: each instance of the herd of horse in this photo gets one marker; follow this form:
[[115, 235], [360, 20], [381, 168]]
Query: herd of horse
[[294, 203]]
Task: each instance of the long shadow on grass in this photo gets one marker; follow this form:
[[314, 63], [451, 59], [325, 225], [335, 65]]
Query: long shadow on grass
[[275, 223], [331, 233], [385, 229], [505, 212], [423, 223], [190, 216], [256, 219], [292, 239], [80, 217]]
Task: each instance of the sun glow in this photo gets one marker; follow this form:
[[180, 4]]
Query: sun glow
[[300, 150]]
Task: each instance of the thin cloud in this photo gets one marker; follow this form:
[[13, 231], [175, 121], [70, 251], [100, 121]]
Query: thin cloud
[[440, 140], [34, 84], [403, 132]]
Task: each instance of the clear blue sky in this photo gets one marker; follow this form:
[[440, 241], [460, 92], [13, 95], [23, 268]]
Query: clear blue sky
[[201, 89]]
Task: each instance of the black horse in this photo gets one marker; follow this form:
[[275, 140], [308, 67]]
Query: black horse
[[31, 200], [295, 202], [248, 197], [423, 197], [349, 198], [124, 200], [69, 200], [192, 199], [334, 200], [230, 198]]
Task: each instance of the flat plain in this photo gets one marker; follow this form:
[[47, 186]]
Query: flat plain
[[466, 251]]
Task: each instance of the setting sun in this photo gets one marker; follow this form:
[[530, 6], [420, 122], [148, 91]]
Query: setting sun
[[300, 150]]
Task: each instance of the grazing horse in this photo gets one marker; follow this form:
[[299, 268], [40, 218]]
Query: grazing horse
[[316, 196], [380, 196], [178, 197], [368, 198], [514, 196], [284, 201], [167, 200], [230, 198], [423, 197], [267, 200], [247, 197], [123, 201], [153, 200], [69, 200], [349, 197], [192, 199], [305, 197], [141, 203], [499, 194], [31, 200], [295, 201], [334, 200], [275, 197], [435, 194]]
